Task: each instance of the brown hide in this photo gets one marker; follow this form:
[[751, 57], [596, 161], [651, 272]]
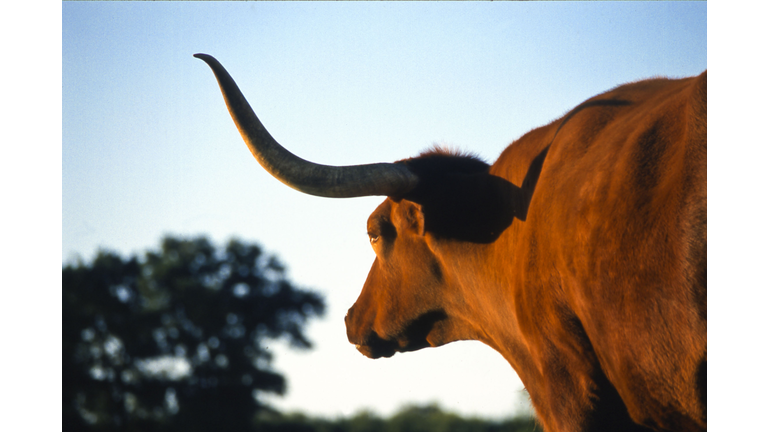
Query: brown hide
[[580, 256]]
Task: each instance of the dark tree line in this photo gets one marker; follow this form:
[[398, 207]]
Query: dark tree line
[[174, 340], [429, 418]]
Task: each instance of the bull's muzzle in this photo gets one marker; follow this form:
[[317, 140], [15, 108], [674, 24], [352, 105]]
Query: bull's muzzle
[[368, 342]]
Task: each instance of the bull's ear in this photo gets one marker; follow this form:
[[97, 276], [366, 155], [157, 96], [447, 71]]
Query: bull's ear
[[410, 217], [418, 219]]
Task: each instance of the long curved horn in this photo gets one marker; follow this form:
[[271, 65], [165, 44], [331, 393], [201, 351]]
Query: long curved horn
[[389, 179]]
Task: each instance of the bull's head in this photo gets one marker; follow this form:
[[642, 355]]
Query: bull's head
[[435, 201]]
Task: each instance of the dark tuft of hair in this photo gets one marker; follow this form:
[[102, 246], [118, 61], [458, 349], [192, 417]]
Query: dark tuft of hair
[[438, 161], [438, 149], [458, 197]]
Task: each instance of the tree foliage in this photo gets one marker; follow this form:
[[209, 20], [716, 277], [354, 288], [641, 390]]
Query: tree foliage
[[175, 340], [412, 418]]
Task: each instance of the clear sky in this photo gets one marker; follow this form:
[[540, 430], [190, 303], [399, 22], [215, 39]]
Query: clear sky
[[148, 147]]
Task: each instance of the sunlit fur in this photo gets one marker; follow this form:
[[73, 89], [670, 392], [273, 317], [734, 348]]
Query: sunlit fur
[[580, 255]]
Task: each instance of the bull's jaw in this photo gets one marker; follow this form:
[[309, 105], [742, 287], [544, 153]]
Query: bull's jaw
[[423, 332]]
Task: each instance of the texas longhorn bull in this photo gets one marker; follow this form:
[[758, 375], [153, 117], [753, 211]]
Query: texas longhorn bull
[[580, 255]]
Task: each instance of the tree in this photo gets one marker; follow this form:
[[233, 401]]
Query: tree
[[175, 340]]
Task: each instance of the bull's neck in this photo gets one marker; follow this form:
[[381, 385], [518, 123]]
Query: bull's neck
[[489, 277], [484, 300]]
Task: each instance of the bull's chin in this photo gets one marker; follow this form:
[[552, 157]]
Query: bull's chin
[[374, 353], [376, 347]]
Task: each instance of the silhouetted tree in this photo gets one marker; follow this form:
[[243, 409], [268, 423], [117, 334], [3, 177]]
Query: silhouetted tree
[[175, 340]]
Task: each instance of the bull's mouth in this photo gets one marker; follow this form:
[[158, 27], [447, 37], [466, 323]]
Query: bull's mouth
[[376, 347], [413, 338]]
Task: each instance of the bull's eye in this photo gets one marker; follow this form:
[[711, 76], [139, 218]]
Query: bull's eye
[[373, 238]]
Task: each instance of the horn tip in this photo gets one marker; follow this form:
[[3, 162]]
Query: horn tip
[[204, 57]]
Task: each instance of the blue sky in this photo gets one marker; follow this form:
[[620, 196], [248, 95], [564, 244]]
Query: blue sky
[[148, 147]]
